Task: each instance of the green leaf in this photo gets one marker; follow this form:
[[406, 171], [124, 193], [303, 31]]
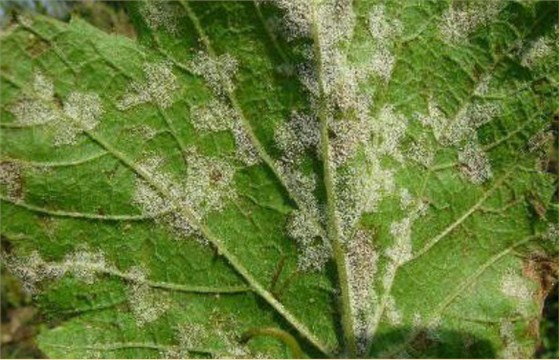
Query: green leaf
[[285, 178]]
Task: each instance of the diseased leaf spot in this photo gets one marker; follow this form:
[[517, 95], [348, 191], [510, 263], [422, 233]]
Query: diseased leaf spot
[[460, 21], [11, 179], [206, 188], [161, 14], [159, 87], [218, 72], [475, 164], [538, 51]]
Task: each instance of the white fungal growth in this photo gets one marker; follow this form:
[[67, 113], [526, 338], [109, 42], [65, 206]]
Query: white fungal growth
[[349, 134], [206, 188], [218, 116], [512, 349], [382, 63], [147, 305], [159, 87], [84, 111], [208, 184], [11, 179], [39, 109], [459, 22], [297, 135], [401, 251], [83, 264], [246, 150], [43, 86], [160, 14], [361, 263], [463, 126], [380, 27], [215, 116], [516, 288], [314, 248], [390, 127], [361, 190], [217, 71], [394, 316], [297, 16], [421, 154], [539, 50], [475, 164], [406, 198], [87, 266]]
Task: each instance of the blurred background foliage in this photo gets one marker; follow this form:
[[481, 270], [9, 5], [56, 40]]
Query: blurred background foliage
[[21, 321]]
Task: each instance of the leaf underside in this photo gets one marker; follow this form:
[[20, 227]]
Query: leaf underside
[[360, 178]]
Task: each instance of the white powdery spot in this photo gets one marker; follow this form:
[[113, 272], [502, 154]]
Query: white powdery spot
[[475, 164], [382, 63], [406, 198], [512, 349], [246, 150], [401, 251], [159, 87], [361, 263], [297, 17], [301, 132], [552, 233], [458, 24], [390, 127], [314, 248], [362, 189], [36, 111], [215, 116], [394, 316], [380, 27], [349, 134], [11, 179], [147, 305], [539, 50], [516, 287], [206, 188], [43, 86], [84, 111], [160, 14], [463, 126], [420, 153], [83, 264], [208, 184], [218, 72], [218, 116]]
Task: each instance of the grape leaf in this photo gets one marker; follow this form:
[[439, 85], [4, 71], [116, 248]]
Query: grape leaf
[[284, 179]]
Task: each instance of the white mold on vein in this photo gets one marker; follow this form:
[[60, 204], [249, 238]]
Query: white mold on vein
[[87, 266], [159, 87], [81, 111], [206, 188]]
